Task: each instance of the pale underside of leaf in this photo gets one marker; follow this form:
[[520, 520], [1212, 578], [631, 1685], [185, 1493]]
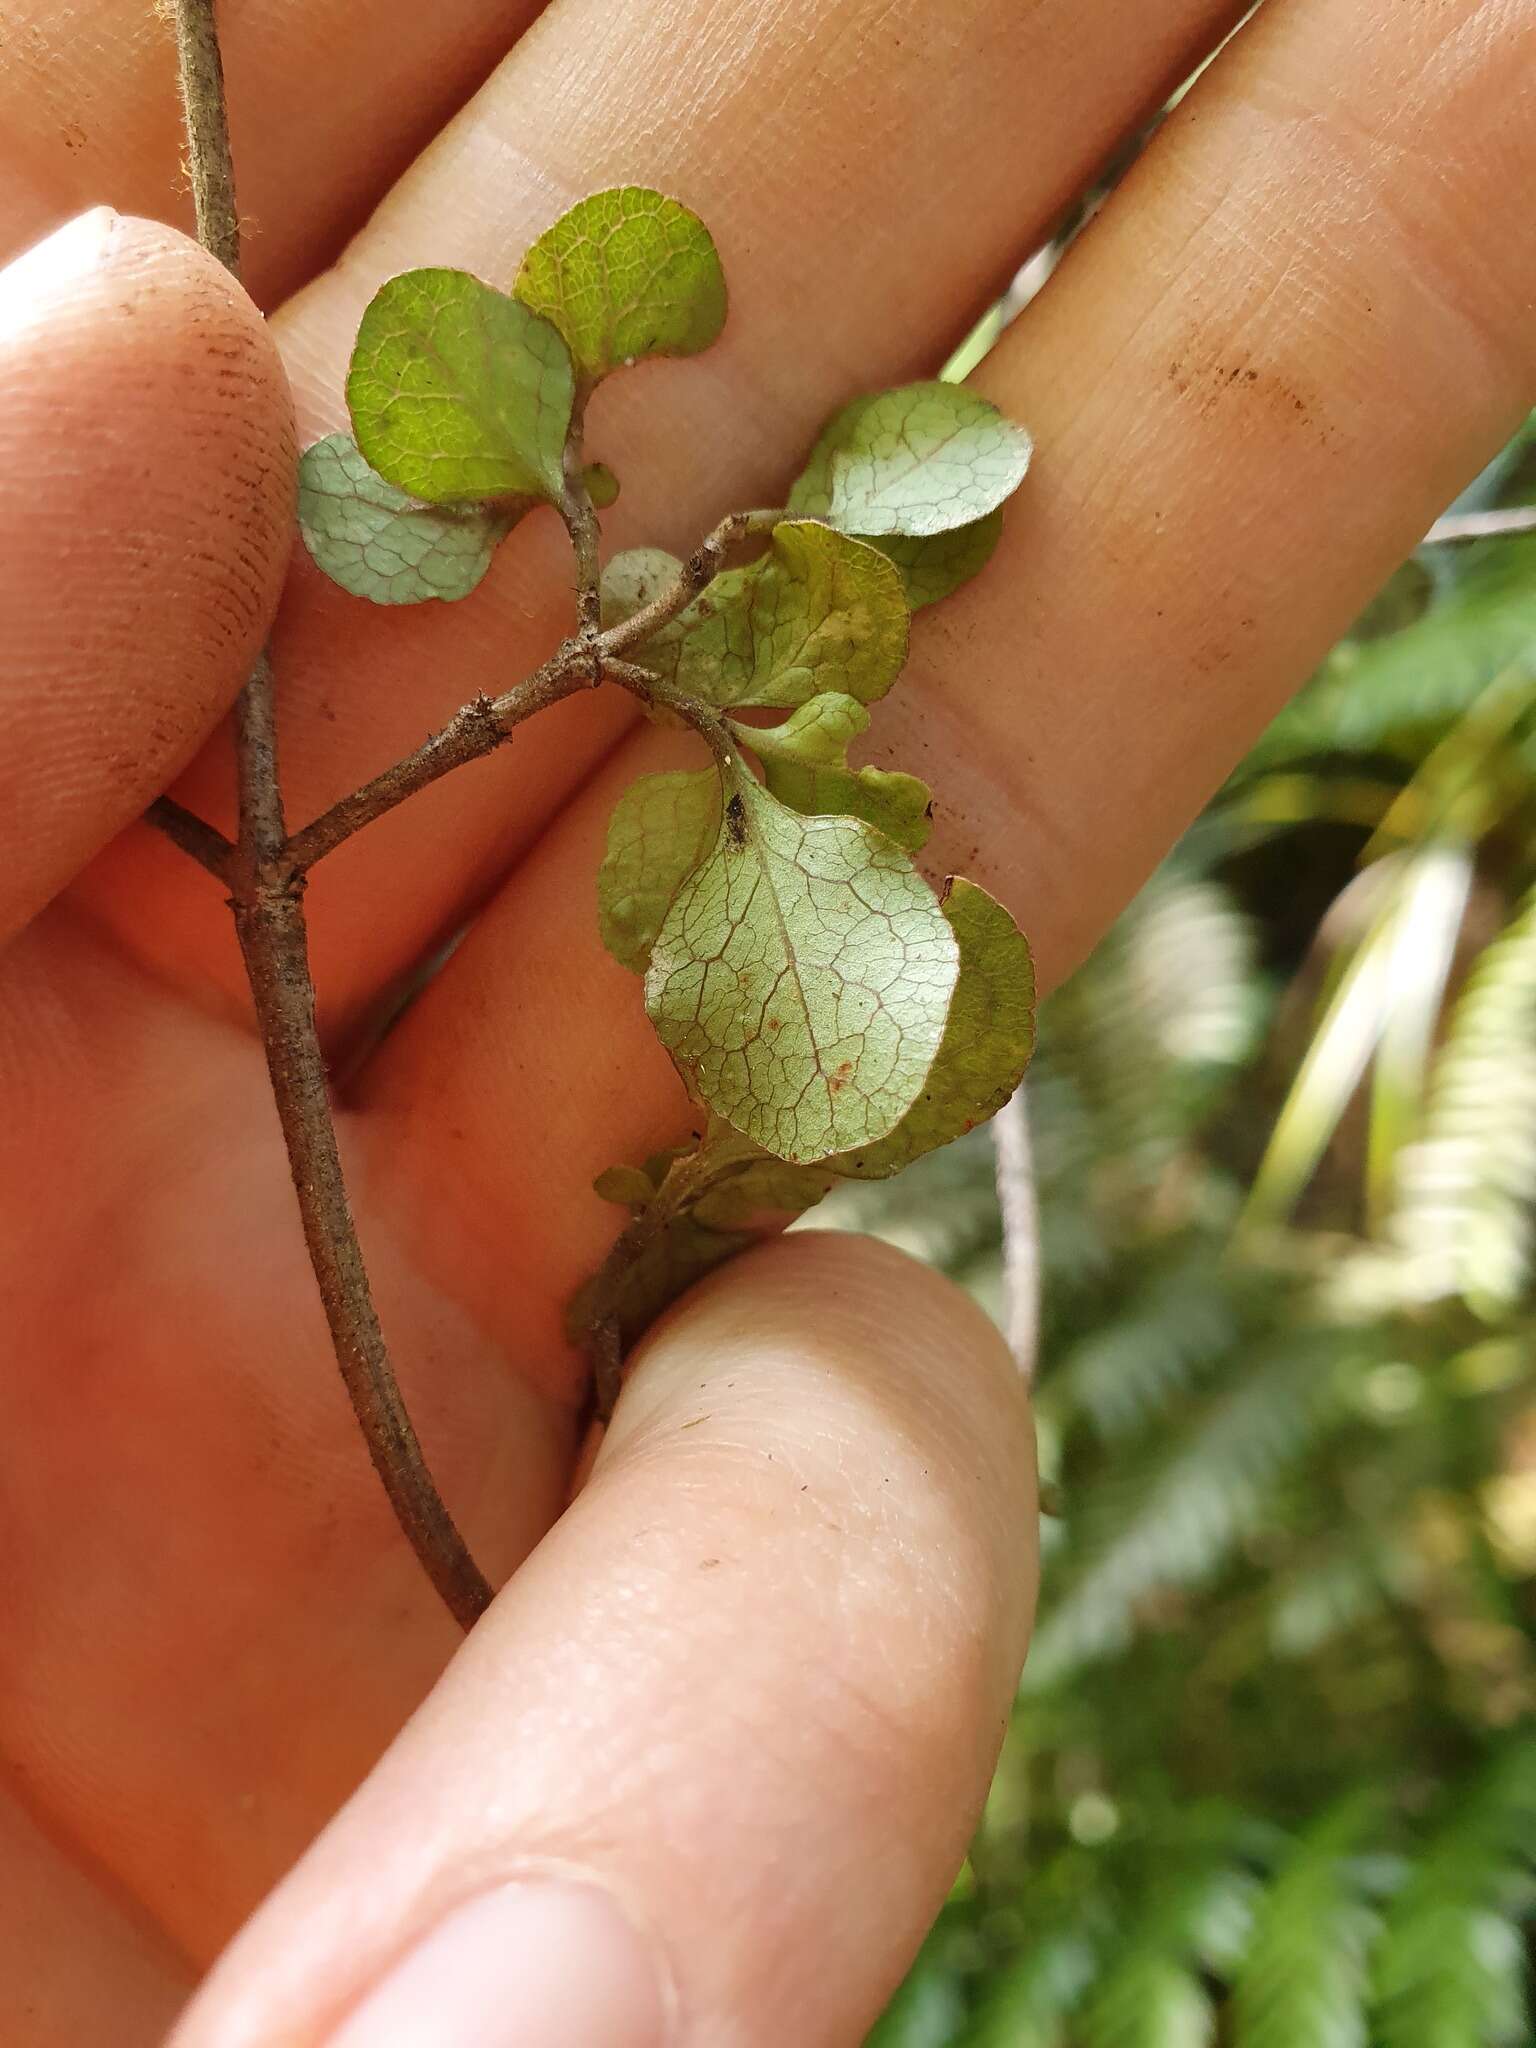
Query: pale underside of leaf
[[802, 977], [625, 274], [923, 459], [820, 611], [378, 543], [458, 392], [805, 765], [661, 828], [633, 578], [987, 1042]]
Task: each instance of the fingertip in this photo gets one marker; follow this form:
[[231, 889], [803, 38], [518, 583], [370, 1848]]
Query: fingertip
[[146, 512]]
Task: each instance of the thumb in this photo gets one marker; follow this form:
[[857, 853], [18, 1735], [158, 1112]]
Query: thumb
[[705, 1772]]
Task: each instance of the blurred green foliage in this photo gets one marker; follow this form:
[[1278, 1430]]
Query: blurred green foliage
[[1271, 1778]]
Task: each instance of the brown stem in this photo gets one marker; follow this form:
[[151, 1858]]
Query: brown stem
[[483, 724], [701, 567], [270, 923], [269, 919], [706, 721], [477, 730], [209, 164], [192, 834], [580, 516]]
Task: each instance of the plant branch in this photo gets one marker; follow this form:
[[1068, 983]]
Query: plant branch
[[705, 720], [688, 1178], [267, 897], [274, 942], [209, 164], [192, 834], [580, 516], [701, 567], [475, 731], [481, 726]]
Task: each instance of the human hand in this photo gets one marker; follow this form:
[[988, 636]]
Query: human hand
[[753, 1683]]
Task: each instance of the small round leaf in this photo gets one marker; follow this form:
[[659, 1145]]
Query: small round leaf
[[924, 459], [625, 274], [458, 392], [380, 544]]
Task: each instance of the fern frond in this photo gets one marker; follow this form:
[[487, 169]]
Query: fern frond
[[1029, 2003], [1182, 1321], [1172, 1519], [1467, 1186], [1193, 1923], [1166, 1001], [1451, 1966], [1305, 1978]]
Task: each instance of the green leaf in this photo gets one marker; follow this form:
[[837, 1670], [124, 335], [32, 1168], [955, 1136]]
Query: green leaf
[[626, 274], [661, 828], [924, 459], [987, 1041], [373, 540], [602, 485], [805, 763], [633, 578], [802, 977], [820, 611], [937, 564], [457, 391]]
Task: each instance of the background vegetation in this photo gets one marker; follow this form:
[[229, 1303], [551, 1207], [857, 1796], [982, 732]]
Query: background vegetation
[[1271, 1778]]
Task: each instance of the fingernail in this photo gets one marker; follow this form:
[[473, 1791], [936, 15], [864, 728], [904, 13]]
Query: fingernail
[[540, 1965], [32, 285]]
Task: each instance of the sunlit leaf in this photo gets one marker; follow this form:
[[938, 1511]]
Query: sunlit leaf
[[457, 391], [661, 828], [987, 1041], [625, 274], [820, 611], [802, 977], [805, 764], [923, 459], [373, 540]]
